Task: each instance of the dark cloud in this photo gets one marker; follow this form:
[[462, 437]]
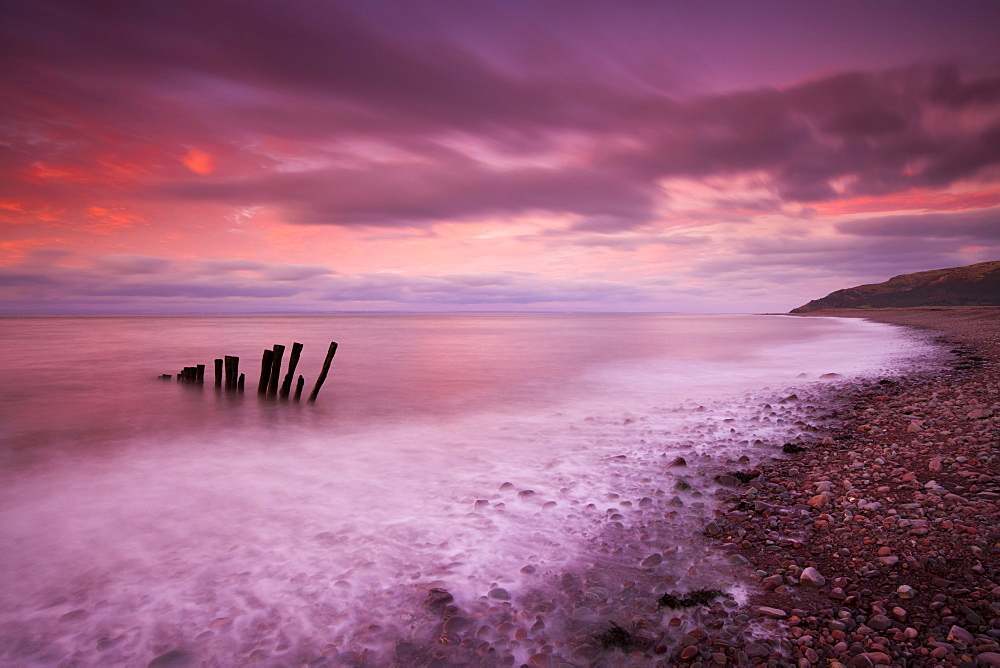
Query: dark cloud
[[132, 264], [981, 226], [424, 194], [119, 90], [783, 261]]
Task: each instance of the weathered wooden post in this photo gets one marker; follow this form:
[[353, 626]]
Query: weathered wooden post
[[298, 387], [240, 382], [293, 361], [322, 374], [218, 373], [272, 383], [232, 370], [265, 370], [200, 373]]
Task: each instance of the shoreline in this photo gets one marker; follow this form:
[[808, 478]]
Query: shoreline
[[880, 546]]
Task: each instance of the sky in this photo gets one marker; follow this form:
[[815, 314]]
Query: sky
[[476, 155]]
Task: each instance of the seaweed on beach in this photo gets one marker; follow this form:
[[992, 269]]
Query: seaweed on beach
[[616, 636], [743, 477], [791, 448], [694, 598]]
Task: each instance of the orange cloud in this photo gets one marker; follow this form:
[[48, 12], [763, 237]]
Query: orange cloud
[[41, 171], [912, 200], [106, 220], [199, 162]]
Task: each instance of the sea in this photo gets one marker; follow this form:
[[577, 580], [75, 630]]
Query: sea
[[467, 489]]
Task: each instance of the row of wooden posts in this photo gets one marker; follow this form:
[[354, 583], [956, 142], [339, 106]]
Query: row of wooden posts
[[227, 369]]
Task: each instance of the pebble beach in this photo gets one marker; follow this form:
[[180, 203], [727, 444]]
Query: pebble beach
[[878, 545]]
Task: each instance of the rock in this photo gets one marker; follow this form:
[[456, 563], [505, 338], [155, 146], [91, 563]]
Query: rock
[[728, 481], [935, 464], [818, 501], [756, 650], [499, 594], [988, 660], [810, 576], [405, 650], [906, 591], [879, 622], [438, 598], [738, 560], [456, 624], [958, 634], [772, 582], [871, 659], [652, 560], [175, 658], [689, 652], [678, 461], [776, 613]]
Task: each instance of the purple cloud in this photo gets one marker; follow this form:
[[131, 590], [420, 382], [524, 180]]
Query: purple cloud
[[82, 79], [980, 226], [155, 285]]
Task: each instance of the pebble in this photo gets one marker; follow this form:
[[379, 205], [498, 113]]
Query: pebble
[[813, 577]]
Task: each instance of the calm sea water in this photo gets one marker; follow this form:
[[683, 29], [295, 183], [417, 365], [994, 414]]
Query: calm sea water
[[523, 455]]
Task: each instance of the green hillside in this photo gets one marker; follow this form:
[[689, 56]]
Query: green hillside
[[974, 285]]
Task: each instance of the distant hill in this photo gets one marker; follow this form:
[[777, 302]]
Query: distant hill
[[974, 285]]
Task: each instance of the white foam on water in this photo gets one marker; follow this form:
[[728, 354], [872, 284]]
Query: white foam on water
[[313, 543]]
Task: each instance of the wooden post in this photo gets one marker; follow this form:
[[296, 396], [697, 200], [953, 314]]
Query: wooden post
[[240, 382], [322, 374], [218, 373], [298, 387], [200, 374], [265, 371], [293, 361], [272, 383], [232, 370]]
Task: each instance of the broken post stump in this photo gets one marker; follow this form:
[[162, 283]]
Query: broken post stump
[[200, 371], [265, 370], [293, 361], [322, 374], [298, 387], [272, 383], [239, 383], [218, 372], [232, 370]]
